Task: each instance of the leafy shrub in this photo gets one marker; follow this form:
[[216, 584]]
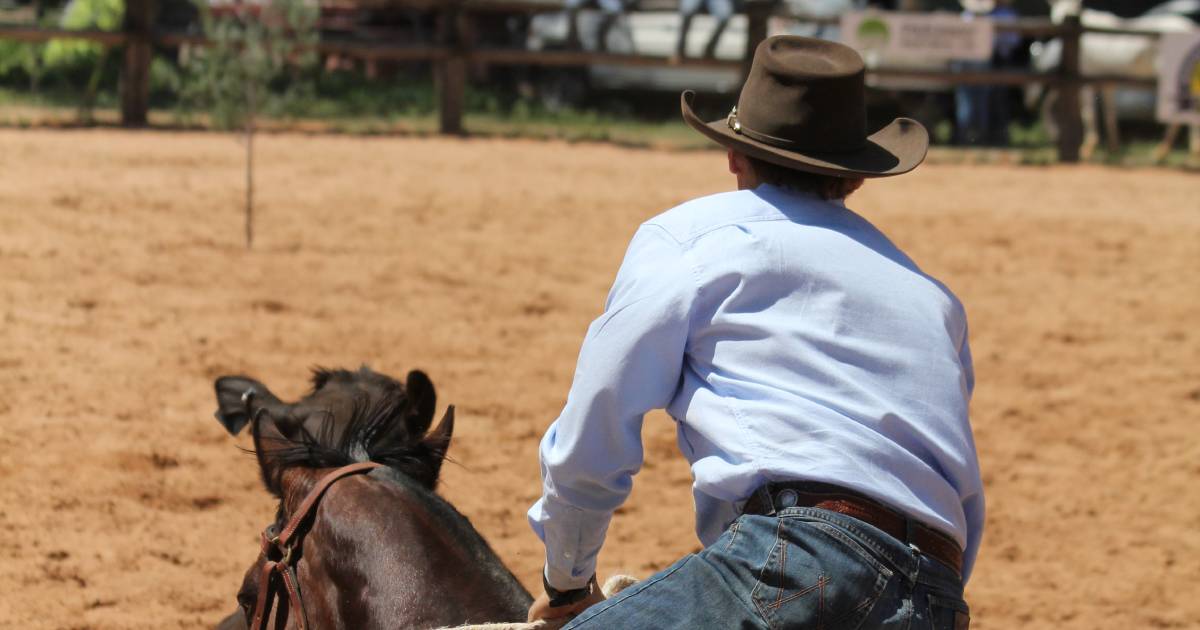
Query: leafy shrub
[[103, 15], [255, 63], [67, 61]]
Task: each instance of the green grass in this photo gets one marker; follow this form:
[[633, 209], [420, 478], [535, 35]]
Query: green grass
[[384, 109], [349, 105]]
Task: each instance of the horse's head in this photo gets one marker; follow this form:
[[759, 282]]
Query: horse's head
[[347, 418], [352, 416]]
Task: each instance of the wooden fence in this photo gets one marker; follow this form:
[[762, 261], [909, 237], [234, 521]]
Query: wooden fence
[[452, 54]]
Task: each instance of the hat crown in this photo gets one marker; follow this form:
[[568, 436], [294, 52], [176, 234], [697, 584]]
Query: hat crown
[[806, 94]]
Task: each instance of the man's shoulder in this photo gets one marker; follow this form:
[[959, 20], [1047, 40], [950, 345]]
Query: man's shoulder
[[692, 219]]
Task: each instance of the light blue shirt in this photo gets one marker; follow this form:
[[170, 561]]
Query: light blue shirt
[[790, 340]]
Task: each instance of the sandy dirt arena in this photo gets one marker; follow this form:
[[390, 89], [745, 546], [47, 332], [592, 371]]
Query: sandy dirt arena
[[125, 289]]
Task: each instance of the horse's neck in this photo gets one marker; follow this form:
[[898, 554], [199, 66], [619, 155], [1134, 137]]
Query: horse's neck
[[457, 532], [419, 548]]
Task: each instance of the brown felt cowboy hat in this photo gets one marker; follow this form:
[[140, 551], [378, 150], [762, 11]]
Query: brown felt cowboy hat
[[803, 107]]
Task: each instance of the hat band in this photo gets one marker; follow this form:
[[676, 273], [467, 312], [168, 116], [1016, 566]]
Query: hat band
[[783, 143]]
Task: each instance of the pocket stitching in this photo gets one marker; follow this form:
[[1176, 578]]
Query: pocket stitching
[[782, 572], [853, 545], [817, 518], [768, 611], [765, 613], [821, 582], [733, 532]]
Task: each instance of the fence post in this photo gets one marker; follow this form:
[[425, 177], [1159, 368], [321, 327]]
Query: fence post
[[757, 14], [1068, 109], [450, 73], [135, 69]]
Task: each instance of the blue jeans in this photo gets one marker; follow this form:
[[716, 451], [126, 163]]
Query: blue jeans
[[801, 568]]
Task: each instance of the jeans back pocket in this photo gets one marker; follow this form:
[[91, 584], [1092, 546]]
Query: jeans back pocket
[[816, 576]]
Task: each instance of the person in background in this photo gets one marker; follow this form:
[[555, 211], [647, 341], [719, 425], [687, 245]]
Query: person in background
[[982, 112], [721, 10], [610, 11], [818, 377]]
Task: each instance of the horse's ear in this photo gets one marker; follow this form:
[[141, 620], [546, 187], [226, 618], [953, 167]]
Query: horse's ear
[[422, 401], [268, 440], [438, 442], [238, 399]]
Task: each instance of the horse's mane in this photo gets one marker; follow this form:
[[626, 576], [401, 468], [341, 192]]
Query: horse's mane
[[376, 432], [321, 376]]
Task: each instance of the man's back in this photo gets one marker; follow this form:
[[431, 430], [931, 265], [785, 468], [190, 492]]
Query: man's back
[[819, 380], [818, 350]]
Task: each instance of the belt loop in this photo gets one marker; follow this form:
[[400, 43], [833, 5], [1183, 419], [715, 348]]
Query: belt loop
[[767, 498], [909, 531]]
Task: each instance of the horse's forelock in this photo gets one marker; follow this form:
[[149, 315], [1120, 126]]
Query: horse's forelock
[[375, 429]]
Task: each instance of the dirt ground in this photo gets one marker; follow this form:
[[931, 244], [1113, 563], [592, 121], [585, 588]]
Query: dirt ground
[[125, 289]]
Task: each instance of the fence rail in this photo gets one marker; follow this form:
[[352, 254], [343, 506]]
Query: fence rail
[[36, 34], [451, 56]]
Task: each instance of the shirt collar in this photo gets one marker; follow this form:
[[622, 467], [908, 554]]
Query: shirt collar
[[773, 191]]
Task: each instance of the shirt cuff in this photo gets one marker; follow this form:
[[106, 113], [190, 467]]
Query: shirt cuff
[[572, 537], [567, 583]]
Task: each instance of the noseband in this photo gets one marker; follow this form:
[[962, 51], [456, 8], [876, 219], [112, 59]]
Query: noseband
[[279, 546]]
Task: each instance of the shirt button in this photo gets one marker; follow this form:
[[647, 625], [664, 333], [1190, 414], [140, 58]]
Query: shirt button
[[567, 555]]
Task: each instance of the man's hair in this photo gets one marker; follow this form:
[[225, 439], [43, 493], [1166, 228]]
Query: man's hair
[[824, 186]]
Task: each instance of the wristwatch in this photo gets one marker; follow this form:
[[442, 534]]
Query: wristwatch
[[566, 598]]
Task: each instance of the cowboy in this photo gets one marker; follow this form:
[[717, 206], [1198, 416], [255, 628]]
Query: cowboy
[[819, 380]]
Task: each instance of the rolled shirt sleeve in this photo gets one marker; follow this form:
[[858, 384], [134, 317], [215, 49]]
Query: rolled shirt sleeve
[[630, 363]]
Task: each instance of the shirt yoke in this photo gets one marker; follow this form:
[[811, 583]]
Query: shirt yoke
[[693, 219]]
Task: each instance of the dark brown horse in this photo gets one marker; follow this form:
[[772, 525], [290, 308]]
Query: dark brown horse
[[381, 549]]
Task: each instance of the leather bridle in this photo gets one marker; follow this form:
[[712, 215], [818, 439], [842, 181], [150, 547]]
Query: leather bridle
[[279, 549]]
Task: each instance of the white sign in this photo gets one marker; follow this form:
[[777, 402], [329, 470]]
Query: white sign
[[1179, 78], [881, 35]]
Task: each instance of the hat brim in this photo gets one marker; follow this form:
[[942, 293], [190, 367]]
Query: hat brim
[[896, 149]]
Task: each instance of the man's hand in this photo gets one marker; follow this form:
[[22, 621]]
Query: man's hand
[[541, 609]]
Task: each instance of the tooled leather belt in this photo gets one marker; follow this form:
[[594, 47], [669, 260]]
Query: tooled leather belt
[[769, 498]]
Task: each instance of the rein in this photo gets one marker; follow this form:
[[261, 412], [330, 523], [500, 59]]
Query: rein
[[279, 549]]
